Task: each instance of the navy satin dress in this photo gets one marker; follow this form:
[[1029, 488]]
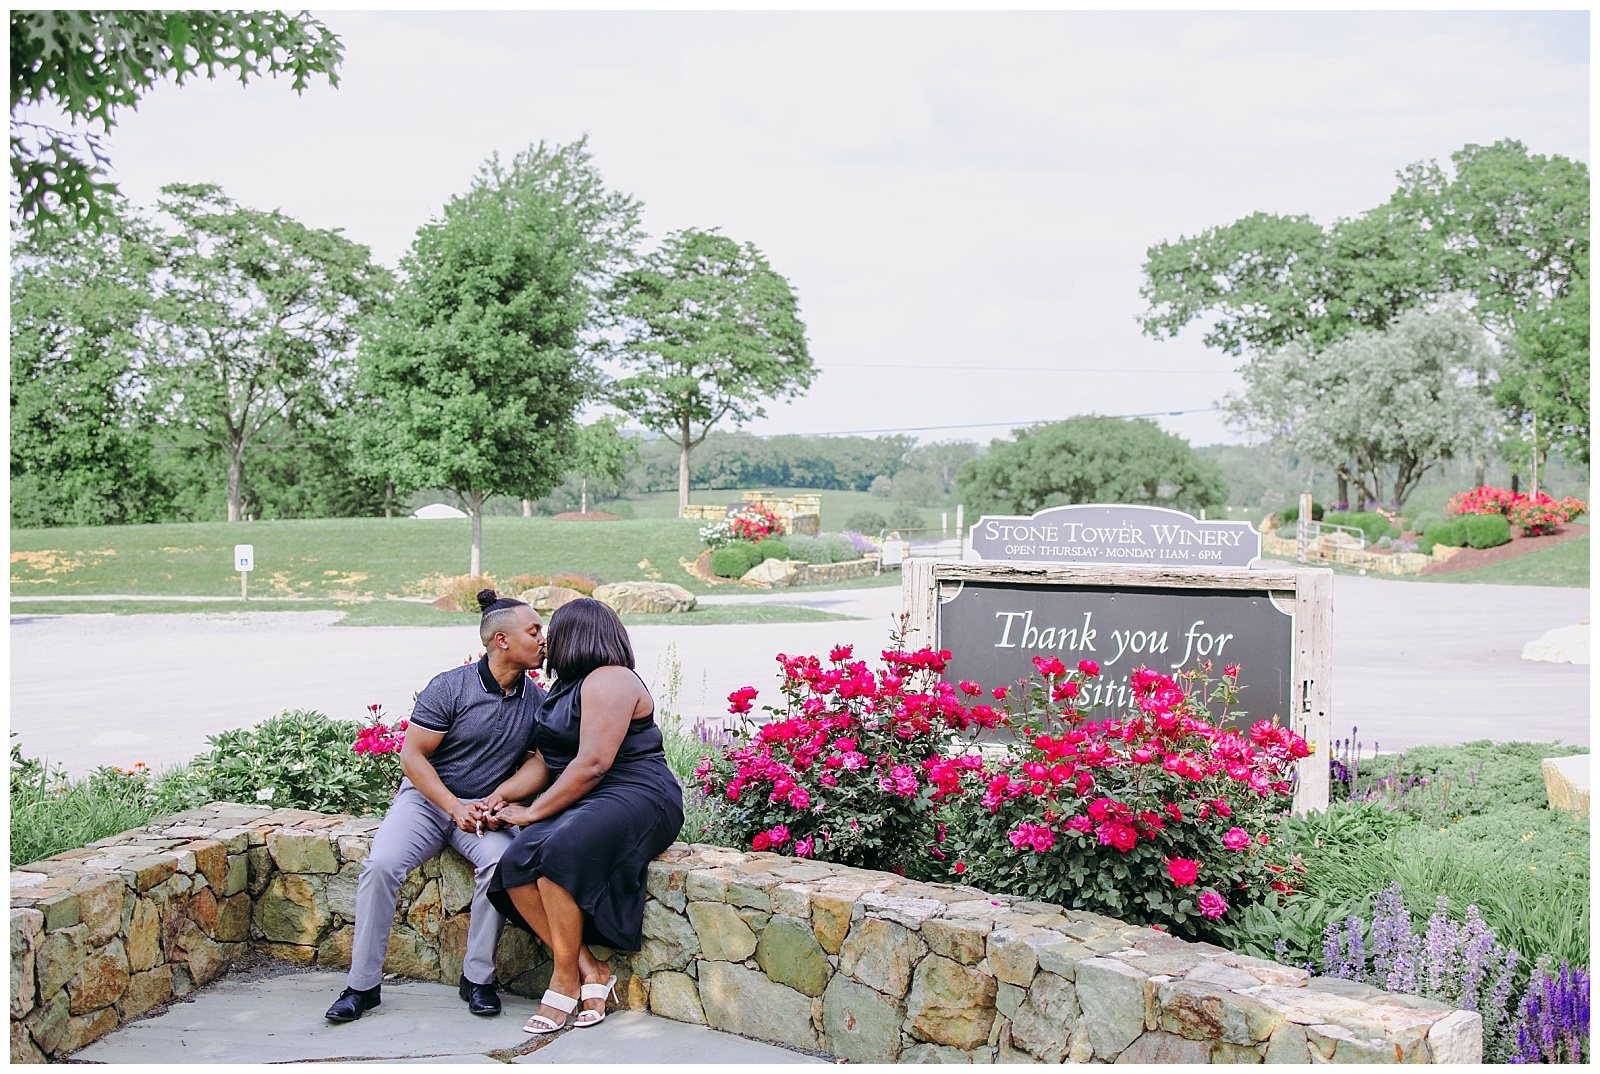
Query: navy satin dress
[[599, 847]]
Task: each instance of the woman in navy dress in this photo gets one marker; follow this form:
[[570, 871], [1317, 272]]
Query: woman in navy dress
[[575, 872]]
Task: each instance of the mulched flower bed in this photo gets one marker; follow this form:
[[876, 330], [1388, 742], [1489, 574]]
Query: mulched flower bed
[[1468, 558]]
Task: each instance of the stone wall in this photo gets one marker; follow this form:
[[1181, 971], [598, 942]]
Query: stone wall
[[865, 966], [825, 573]]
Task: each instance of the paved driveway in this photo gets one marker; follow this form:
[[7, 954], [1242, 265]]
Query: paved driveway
[[1413, 663]]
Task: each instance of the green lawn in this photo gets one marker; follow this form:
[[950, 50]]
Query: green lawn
[[341, 558], [411, 613], [1565, 565]]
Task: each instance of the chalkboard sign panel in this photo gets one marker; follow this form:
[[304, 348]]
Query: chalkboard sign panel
[[994, 631], [1277, 625]]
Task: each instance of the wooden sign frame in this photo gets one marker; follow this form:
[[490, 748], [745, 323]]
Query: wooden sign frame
[[1310, 589]]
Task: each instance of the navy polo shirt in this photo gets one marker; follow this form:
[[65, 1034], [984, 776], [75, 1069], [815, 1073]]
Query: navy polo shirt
[[487, 732]]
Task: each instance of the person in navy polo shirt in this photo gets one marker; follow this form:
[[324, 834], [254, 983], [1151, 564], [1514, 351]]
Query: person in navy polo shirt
[[470, 732]]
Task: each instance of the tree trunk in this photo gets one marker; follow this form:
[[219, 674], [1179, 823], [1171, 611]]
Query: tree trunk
[[527, 507], [583, 498], [1538, 457], [388, 499], [1343, 473], [1516, 479], [235, 482], [474, 501], [683, 468]]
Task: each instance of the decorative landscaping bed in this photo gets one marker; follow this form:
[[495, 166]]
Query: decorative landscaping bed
[[1465, 559], [867, 966]]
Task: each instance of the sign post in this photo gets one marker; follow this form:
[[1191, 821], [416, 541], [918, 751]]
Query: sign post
[[1302, 527], [1130, 586], [244, 561]]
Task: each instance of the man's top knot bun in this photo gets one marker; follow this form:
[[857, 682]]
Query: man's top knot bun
[[486, 598]]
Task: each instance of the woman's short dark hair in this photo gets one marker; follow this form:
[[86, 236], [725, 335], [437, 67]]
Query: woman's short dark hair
[[586, 634]]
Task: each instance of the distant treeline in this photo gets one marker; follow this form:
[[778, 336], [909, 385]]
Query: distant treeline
[[739, 460]]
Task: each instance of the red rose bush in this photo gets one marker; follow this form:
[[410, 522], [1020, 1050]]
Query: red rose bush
[[853, 766], [1155, 816], [1535, 515], [1159, 815]]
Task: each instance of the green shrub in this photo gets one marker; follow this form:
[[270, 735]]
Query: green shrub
[[904, 516], [840, 550], [1485, 531], [297, 759], [1372, 524], [807, 549], [51, 813], [1291, 513], [734, 558], [772, 548], [1451, 534], [1420, 522], [868, 522]]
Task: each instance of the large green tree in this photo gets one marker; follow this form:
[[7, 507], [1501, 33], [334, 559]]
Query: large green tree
[[81, 444], [1374, 405], [1502, 232], [470, 379], [709, 331], [254, 323], [1089, 460], [90, 64], [1543, 386]]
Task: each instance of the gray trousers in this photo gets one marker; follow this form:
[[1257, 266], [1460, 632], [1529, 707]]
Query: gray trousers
[[413, 831]]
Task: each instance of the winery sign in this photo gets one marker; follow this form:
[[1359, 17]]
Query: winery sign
[[1115, 534], [1129, 586]]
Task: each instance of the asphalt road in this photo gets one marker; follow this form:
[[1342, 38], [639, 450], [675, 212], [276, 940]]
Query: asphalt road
[[1413, 663]]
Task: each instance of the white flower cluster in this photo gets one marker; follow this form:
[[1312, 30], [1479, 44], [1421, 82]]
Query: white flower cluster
[[718, 533]]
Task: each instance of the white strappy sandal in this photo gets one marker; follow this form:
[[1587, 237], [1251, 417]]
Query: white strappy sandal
[[586, 1017], [540, 1023]]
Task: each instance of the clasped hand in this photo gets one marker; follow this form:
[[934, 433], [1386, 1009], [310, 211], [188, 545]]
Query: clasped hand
[[489, 814]]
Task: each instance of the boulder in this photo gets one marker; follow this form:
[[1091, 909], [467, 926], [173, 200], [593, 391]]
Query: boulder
[[773, 574], [645, 597], [1566, 782], [1563, 645], [547, 598]]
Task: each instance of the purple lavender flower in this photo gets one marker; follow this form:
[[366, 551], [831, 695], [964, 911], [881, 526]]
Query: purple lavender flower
[[1554, 1027]]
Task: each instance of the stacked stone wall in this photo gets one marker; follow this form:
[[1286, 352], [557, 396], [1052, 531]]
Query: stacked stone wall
[[865, 966]]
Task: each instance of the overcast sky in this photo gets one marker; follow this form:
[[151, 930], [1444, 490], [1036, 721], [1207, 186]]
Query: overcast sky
[[962, 201]]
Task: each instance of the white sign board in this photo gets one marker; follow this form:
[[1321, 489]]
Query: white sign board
[[244, 557], [892, 553]]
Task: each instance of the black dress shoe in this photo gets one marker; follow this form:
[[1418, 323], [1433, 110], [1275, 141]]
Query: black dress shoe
[[481, 998], [353, 1002]]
